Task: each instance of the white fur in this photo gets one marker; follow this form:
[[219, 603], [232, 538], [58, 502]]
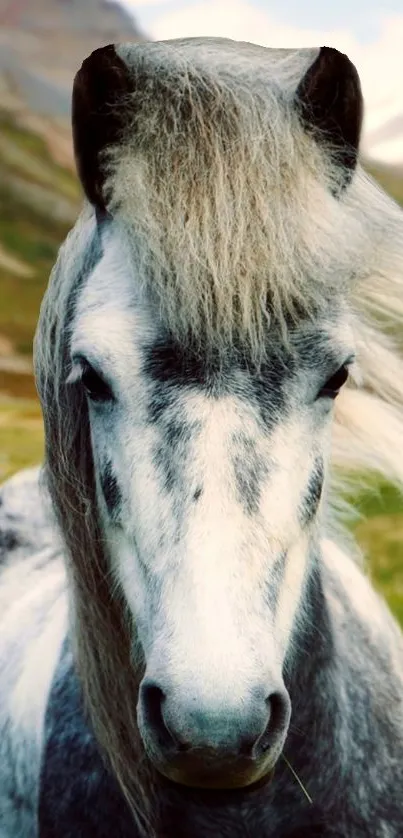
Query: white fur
[[32, 632]]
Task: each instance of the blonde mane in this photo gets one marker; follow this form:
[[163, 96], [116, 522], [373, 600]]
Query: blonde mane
[[229, 207], [226, 199]]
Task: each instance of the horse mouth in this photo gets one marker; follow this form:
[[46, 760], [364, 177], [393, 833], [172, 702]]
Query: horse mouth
[[210, 773]]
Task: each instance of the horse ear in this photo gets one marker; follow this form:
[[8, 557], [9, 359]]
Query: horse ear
[[97, 116], [331, 105]]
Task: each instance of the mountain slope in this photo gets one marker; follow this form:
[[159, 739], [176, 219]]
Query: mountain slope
[[42, 45], [38, 203]]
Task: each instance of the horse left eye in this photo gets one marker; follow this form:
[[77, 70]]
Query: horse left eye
[[95, 386], [334, 384]]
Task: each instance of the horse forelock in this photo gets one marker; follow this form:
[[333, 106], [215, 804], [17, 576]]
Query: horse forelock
[[226, 200]]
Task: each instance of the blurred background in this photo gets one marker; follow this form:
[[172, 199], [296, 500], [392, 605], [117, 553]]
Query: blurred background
[[42, 44]]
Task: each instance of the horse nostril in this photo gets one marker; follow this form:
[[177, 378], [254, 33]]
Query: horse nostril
[[278, 706], [153, 699]]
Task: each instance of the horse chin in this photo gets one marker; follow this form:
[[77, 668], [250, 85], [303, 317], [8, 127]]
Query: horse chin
[[247, 777]]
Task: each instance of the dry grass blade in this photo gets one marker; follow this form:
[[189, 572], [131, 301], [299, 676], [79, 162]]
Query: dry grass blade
[[301, 785]]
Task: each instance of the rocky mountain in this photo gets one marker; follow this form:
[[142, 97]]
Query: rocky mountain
[[42, 44]]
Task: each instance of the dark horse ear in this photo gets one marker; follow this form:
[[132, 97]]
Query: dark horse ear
[[331, 105], [97, 114]]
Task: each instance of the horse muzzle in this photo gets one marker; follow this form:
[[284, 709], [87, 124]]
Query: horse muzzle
[[197, 744]]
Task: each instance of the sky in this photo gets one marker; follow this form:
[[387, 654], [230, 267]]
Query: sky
[[370, 32]]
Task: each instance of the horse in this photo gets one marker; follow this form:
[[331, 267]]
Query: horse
[[190, 645]]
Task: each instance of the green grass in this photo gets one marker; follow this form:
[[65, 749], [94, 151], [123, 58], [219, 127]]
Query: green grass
[[379, 531], [25, 148], [32, 234], [382, 539], [21, 435]]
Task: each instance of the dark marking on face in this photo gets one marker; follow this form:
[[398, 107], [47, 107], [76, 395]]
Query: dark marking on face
[[167, 362], [250, 472], [316, 353], [9, 540], [171, 453], [160, 401], [173, 364], [274, 581], [269, 387], [110, 490], [166, 465], [313, 493], [179, 432], [174, 367], [197, 494]]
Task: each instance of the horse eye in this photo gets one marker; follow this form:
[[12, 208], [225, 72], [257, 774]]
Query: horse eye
[[95, 386], [334, 384]]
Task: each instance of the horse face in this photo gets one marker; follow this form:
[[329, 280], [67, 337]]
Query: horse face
[[209, 480]]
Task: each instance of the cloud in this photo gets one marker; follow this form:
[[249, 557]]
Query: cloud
[[134, 5], [235, 19]]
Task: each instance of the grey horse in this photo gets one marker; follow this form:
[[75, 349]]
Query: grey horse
[[189, 646]]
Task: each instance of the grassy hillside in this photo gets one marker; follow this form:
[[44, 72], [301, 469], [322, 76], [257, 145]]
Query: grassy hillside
[[38, 203], [390, 178]]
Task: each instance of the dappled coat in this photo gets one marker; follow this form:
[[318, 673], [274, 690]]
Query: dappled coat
[[188, 646]]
